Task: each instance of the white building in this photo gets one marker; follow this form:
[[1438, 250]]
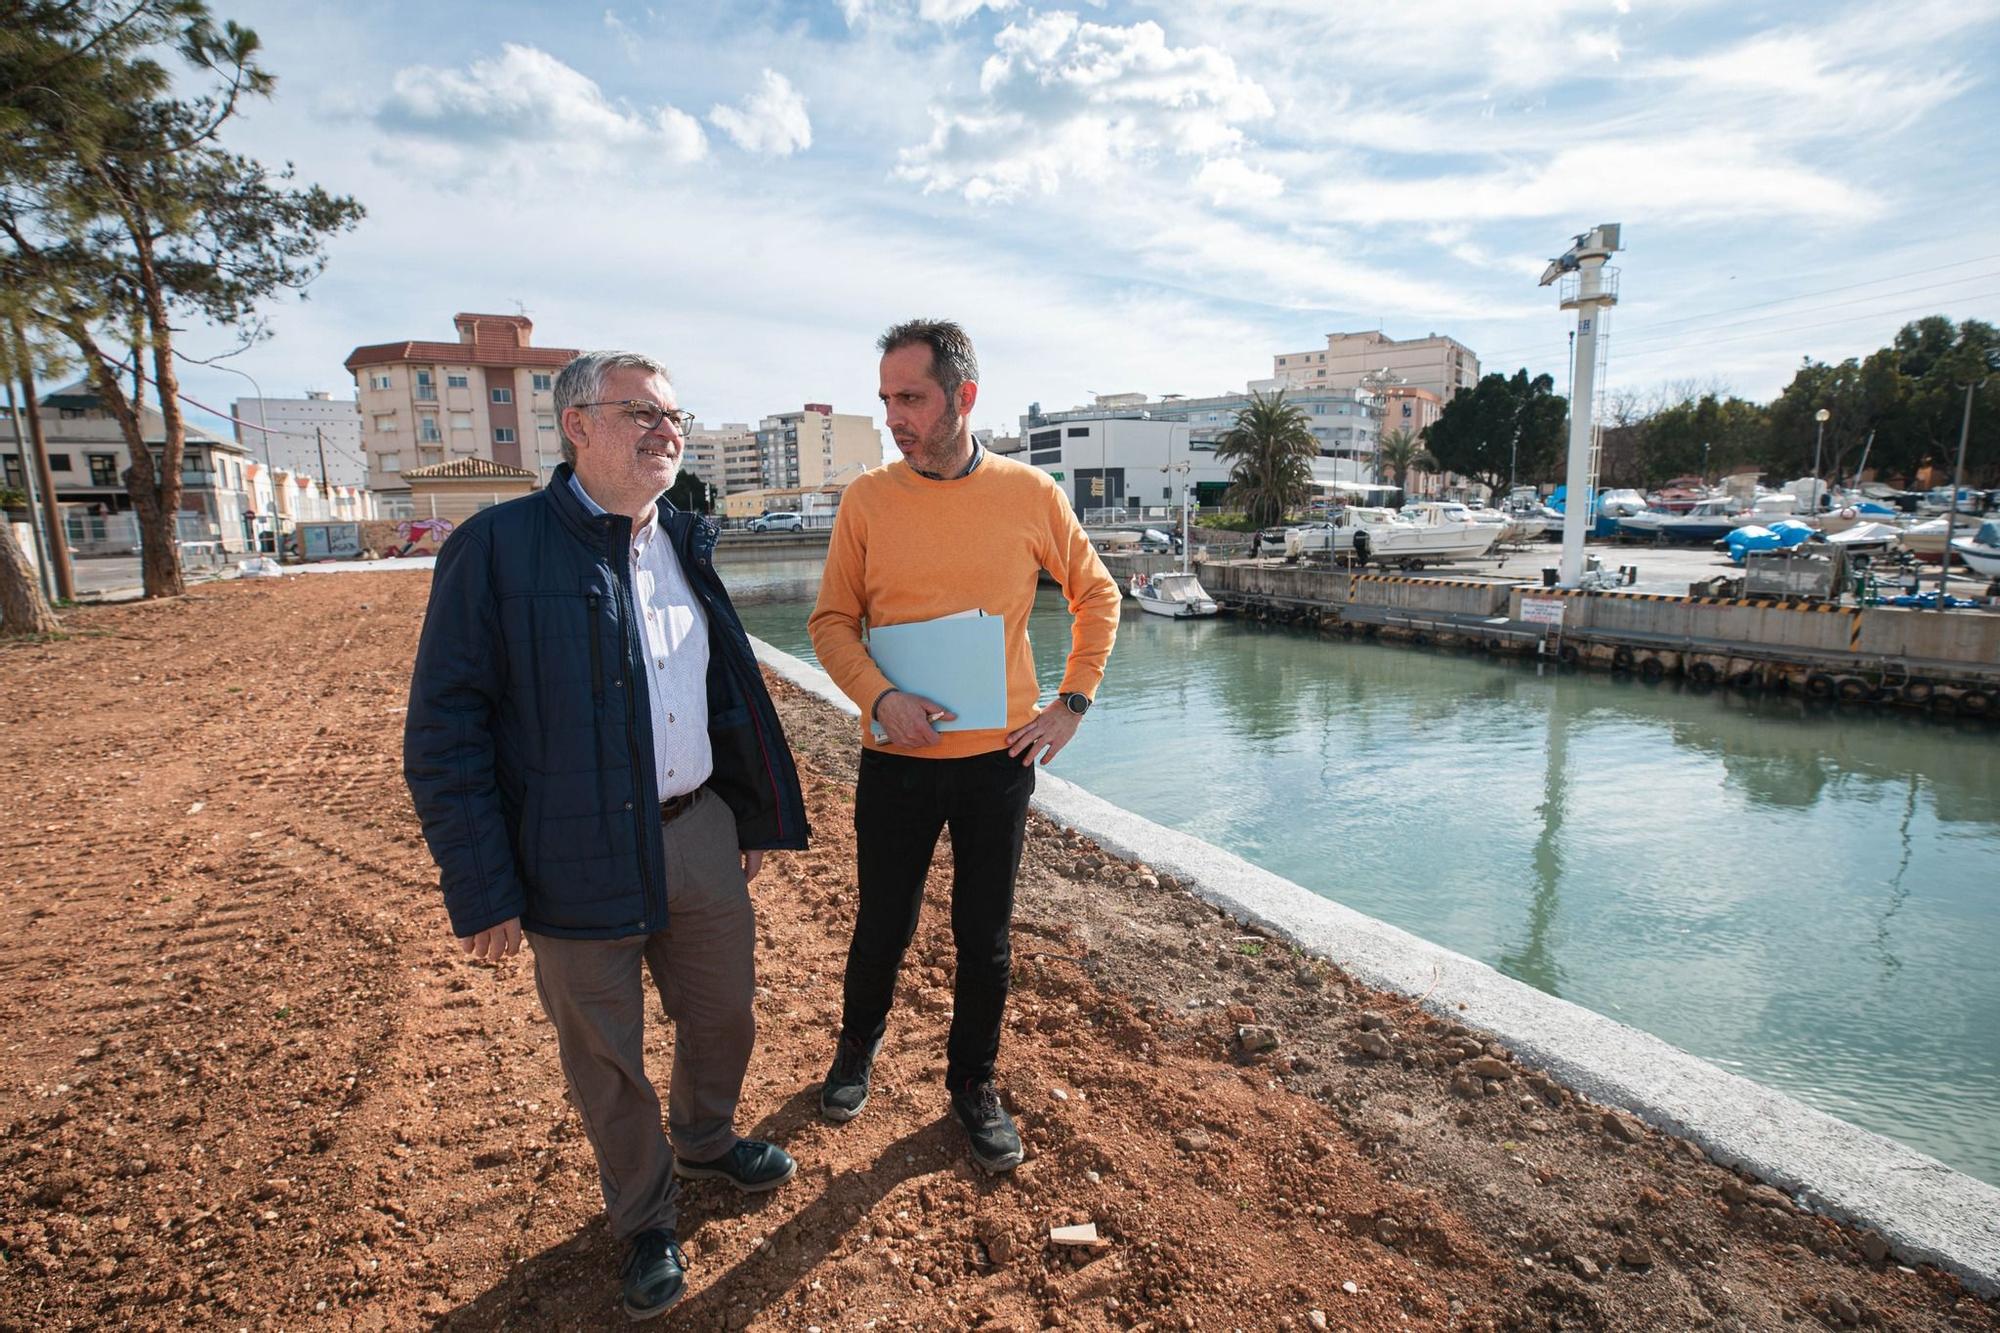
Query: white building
[[725, 457], [292, 435], [1125, 450]]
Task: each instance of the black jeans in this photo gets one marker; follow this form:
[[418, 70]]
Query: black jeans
[[900, 804]]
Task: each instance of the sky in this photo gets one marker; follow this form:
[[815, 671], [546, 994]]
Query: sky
[[1119, 197]]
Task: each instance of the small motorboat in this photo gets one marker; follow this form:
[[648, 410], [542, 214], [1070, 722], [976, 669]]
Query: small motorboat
[[1177, 594], [1981, 551]]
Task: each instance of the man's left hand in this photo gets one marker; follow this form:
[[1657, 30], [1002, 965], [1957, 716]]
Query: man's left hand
[[1051, 728], [752, 863]]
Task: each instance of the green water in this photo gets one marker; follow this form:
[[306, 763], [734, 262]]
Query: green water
[[1809, 899]]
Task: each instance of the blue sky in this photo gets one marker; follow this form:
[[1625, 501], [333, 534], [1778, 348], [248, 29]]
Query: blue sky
[[1130, 197]]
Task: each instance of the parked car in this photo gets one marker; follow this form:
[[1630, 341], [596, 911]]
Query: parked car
[[778, 522]]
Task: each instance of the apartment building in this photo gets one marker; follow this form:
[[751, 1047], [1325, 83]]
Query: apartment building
[[314, 436], [489, 395], [1353, 360], [1407, 407], [725, 457], [816, 446]]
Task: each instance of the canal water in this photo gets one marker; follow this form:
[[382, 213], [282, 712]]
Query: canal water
[[1809, 899]]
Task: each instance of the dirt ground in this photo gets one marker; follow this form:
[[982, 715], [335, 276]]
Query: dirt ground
[[247, 1081]]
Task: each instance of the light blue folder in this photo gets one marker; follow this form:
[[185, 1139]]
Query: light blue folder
[[959, 661]]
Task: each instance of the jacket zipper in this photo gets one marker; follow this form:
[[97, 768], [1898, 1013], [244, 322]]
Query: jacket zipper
[[632, 748]]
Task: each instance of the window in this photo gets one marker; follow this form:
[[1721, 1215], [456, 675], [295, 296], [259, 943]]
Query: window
[[1406, 409], [426, 389], [1281, 361], [427, 428], [1046, 456], [456, 379], [503, 395], [544, 421], [503, 435], [543, 383], [378, 381], [461, 421], [391, 462], [103, 469], [385, 423], [58, 462], [1075, 431], [14, 479], [1042, 439]]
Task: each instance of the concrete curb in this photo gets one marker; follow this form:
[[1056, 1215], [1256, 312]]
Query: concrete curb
[[1928, 1212]]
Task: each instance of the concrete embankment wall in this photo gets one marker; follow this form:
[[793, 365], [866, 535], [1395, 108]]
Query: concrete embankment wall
[[1928, 1212], [1877, 653]]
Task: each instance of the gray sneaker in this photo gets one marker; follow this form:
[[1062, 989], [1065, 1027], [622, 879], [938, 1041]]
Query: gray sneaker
[[996, 1144], [845, 1091]]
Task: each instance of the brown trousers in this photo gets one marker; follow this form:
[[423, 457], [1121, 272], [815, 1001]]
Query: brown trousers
[[703, 965]]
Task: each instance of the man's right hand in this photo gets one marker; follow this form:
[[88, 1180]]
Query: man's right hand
[[907, 719], [495, 942]]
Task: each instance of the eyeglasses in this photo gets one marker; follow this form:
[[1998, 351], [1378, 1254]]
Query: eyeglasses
[[648, 416]]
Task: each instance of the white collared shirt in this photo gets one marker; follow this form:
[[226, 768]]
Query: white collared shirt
[[674, 635]]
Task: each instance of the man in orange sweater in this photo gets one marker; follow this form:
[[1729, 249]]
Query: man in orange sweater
[[950, 528]]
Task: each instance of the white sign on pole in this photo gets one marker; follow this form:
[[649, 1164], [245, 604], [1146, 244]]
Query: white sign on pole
[[1542, 610]]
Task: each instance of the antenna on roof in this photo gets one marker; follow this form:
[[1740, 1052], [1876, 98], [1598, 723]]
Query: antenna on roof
[[520, 307]]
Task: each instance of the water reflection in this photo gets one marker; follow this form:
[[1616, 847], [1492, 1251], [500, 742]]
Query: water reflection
[[1807, 899]]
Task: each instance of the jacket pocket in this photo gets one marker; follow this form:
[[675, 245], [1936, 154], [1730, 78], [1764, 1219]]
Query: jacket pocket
[[596, 650]]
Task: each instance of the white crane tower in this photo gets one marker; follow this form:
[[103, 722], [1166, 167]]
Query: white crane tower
[[1590, 289]]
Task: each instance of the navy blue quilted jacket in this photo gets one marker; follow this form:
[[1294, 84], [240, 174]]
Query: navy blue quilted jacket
[[528, 746]]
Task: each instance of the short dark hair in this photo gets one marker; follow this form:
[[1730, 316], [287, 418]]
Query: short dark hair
[[953, 362]]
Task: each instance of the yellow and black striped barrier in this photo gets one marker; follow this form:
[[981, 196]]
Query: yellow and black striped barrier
[[1760, 603]]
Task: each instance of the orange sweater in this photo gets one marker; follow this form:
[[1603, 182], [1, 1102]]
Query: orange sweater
[[907, 548]]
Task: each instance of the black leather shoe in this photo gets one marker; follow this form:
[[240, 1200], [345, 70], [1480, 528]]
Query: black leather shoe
[[845, 1091], [752, 1166], [655, 1274], [996, 1144]]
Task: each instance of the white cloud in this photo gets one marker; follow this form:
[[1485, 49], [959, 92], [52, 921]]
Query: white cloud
[[1696, 178], [957, 11], [528, 97], [1230, 180], [771, 120], [1062, 98]]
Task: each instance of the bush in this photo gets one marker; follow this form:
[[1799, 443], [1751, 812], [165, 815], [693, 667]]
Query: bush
[[12, 497]]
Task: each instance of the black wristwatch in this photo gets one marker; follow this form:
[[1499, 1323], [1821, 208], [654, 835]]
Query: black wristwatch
[[1076, 703]]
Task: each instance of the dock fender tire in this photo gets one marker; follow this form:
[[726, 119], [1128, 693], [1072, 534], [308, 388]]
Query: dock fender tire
[[1746, 679], [1976, 702], [1918, 691], [1621, 658], [1854, 690], [1568, 655], [1651, 668], [1819, 685], [1701, 673]]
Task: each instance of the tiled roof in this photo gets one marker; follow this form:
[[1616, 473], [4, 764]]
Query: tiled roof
[[484, 469], [484, 353]]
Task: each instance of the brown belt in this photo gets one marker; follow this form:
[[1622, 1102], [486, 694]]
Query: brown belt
[[675, 807]]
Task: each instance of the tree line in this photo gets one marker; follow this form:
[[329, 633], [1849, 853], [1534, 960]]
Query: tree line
[[123, 212], [1900, 407]]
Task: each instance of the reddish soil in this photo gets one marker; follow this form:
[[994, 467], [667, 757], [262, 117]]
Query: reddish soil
[[247, 1081]]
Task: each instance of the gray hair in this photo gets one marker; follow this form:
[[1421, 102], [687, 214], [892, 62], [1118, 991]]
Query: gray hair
[[952, 359], [582, 381]]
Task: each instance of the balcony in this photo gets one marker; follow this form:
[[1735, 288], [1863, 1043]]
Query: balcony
[[1570, 292], [427, 393]]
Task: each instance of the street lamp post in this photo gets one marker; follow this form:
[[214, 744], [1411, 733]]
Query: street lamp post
[[1819, 433], [1704, 464], [270, 469]]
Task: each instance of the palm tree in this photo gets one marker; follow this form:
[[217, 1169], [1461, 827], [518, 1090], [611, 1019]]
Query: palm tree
[[1400, 453], [1270, 451]]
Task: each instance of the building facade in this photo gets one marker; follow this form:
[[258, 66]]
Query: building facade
[[489, 395], [725, 457], [1128, 452], [457, 490], [1354, 360], [314, 436], [814, 446]]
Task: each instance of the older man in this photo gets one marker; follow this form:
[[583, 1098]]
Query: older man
[[947, 530], [599, 770]]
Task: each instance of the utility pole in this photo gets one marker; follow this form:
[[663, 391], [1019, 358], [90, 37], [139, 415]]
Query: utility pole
[[1992, 357], [44, 560], [325, 491], [54, 537]]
